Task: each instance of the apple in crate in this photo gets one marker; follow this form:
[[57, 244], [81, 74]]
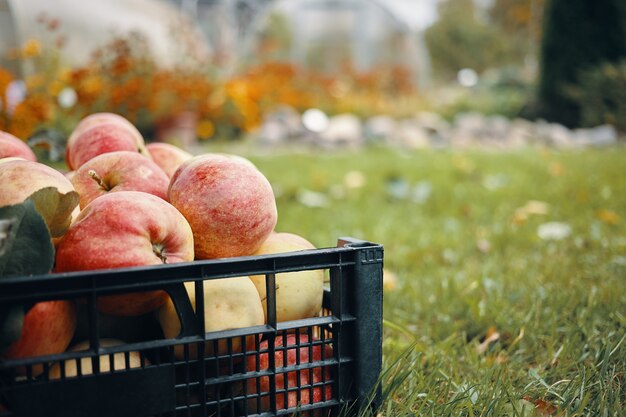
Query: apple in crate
[[123, 229], [20, 178], [291, 238], [298, 294], [47, 329], [298, 352], [99, 133], [229, 303], [169, 157], [99, 139], [10, 146], [119, 361], [119, 171], [229, 204]]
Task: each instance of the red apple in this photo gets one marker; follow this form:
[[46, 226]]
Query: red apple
[[12, 146], [167, 156], [229, 204], [48, 329], [103, 118], [295, 355], [119, 171], [123, 229], [20, 178], [99, 139]]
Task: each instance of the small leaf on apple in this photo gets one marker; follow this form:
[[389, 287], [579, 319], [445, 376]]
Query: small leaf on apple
[[25, 249], [56, 208], [25, 244]]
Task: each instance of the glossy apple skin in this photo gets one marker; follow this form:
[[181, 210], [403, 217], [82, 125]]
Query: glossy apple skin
[[293, 352], [11, 146], [119, 171], [95, 119], [48, 329], [169, 157], [229, 204], [20, 178], [123, 229]]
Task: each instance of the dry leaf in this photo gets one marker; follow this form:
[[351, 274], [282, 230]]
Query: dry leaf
[[531, 208], [608, 217], [542, 407], [554, 231], [354, 179], [492, 336], [56, 208], [483, 245], [557, 169]]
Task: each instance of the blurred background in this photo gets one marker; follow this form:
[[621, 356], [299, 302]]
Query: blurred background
[[417, 73], [480, 141]]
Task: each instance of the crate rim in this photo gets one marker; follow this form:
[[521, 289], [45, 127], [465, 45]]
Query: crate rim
[[59, 285]]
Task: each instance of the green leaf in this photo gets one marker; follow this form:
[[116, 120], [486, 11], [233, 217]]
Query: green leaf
[[25, 249], [25, 243], [56, 208]]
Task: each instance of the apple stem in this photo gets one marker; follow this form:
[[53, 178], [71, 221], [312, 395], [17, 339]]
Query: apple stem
[[158, 251], [94, 175]]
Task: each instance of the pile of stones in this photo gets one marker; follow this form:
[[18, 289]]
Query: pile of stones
[[430, 130]]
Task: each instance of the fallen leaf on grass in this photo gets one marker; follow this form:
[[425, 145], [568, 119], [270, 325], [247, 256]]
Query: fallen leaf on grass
[[542, 407], [492, 336], [354, 179], [312, 199], [521, 408], [554, 231], [608, 217], [531, 208], [556, 169], [483, 245]]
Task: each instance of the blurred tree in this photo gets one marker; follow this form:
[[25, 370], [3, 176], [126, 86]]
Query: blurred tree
[[461, 40], [521, 22], [578, 35]]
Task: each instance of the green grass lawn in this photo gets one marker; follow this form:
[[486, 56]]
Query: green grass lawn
[[487, 317]]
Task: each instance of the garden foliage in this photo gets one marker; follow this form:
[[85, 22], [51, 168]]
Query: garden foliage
[[601, 95], [578, 36]]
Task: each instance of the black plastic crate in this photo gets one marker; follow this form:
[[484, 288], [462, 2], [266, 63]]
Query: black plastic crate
[[345, 342]]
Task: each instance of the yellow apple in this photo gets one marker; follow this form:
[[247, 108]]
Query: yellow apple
[[298, 294], [20, 178], [229, 303]]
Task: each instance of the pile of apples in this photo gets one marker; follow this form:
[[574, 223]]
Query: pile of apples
[[152, 204]]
